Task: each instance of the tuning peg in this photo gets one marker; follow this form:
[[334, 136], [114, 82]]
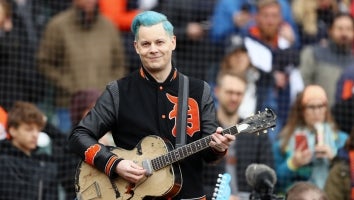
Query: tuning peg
[[257, 133], [265, 131], [214, 196], [272, 129]]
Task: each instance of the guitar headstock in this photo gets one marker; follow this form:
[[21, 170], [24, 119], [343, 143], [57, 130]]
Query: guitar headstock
[[222, 189], [259, 122]]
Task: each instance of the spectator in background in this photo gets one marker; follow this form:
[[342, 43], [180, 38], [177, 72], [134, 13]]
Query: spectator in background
[[343, 109], [339, 182], [80, 49], [21, 23], [308, 159], [229, 91], [30, 18], [119, 13], [80, 104], [271, 32], [313, 19], [236, 60], [287, 83], [305, 191], [24, 173], [53, 144], [270, 26], [323, 64], [235, 17], [195, 53], [6, 95]]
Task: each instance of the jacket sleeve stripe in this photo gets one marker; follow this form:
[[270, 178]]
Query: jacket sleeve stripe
[[109, 165]]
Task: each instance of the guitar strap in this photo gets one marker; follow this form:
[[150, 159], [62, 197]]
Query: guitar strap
[[181, 121]]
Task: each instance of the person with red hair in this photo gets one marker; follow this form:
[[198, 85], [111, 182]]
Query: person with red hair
[[308, 142]]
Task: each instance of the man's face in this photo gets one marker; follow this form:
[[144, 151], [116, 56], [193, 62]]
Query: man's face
[[86, 5], [155, 47], [342, 31], [230, 93], [25, 137], [269, 20]]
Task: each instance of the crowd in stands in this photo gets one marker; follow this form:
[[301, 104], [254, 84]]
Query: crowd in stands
[[292, 56]]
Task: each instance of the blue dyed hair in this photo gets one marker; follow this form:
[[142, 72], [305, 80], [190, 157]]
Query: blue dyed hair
[[150, 18]]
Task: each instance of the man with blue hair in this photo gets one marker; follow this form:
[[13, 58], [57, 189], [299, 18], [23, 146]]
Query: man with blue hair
[[141, 109]]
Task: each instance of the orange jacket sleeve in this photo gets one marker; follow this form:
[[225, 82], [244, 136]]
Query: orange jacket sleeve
[[116, 11]]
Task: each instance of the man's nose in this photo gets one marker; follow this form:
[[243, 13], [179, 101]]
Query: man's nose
[[153, 48]]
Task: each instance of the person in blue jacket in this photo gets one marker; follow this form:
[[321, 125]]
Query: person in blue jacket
[[308, 159], [232, 17]]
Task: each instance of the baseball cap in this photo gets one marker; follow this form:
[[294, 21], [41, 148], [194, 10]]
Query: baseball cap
[[235, 43]]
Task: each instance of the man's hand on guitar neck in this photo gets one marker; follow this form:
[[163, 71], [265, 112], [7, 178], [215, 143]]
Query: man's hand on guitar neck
[[134, 173], [220, 142], [130, 171]]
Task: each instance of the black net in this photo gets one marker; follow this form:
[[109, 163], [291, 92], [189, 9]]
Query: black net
[[60, 58]]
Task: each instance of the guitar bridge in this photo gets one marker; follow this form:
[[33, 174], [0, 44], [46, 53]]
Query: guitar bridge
[[147, 166], [91, 192]]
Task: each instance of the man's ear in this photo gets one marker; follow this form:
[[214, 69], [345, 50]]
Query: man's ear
[[136, 47], [174, 40], [11, 132]]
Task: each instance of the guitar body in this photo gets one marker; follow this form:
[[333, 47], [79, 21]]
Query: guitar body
[[166, 182]]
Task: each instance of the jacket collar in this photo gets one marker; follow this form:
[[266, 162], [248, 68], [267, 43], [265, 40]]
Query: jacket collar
[[145, 75]]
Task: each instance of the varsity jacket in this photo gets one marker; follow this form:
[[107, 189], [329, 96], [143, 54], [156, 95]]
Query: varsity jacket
[[142, 107]]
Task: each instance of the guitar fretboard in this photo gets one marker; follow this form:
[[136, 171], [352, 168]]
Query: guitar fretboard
[[187, 150]]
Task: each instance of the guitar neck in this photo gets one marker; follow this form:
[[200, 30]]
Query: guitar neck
[[252, 124], [187, 150]]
